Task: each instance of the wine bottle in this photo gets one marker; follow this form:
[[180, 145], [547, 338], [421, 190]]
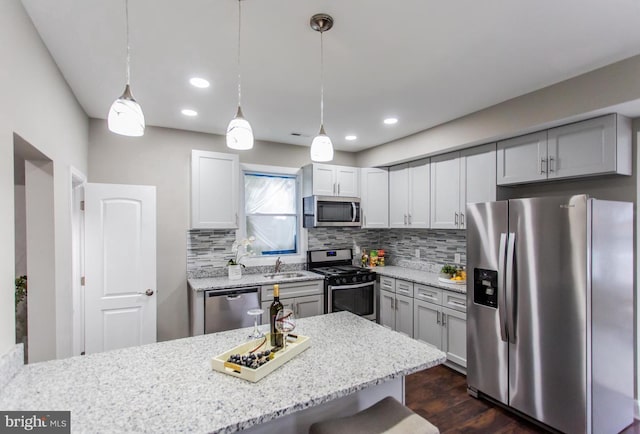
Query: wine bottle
[[276, 306]]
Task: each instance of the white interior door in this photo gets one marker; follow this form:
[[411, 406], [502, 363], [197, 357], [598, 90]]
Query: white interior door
[[120, 260]]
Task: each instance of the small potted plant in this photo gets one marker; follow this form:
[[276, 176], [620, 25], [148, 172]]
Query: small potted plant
[[241, 249], [448, 271]]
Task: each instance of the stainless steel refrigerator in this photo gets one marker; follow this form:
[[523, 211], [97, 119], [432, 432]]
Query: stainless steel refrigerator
[[550, 309]]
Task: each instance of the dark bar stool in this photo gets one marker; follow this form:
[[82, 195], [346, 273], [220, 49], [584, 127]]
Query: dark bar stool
[[387, 416]]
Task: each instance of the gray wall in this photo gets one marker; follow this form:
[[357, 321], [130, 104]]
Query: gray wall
[[37, 105], [601, 91], [162, 157]]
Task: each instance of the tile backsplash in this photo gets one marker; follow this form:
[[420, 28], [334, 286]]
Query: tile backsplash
[[343, 238], [209, 250], [437, 247]]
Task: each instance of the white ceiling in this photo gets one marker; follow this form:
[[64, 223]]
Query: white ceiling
[[423, 61]]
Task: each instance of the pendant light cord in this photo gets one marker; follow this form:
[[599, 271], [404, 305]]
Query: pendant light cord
[[126, 12], [321, 81], [239, 69]]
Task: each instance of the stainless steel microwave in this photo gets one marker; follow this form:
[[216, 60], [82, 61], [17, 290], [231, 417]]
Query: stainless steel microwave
[[321, 211]]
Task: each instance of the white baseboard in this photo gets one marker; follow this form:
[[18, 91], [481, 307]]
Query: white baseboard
[[636, 410]]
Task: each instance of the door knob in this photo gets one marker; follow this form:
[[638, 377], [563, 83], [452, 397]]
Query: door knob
[[148, 293]]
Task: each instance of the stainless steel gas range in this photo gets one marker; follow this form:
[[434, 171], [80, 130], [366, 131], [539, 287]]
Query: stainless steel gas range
[[346, 287]]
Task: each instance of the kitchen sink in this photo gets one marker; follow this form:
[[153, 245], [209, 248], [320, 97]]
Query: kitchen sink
[[290, 275]]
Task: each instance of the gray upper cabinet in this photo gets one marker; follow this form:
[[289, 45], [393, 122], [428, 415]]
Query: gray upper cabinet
[[331, 180], [596, 146], [214, 190], [409, 195], [522, 159], [445, 191], [458, 178], [478, 168], [374, 198]]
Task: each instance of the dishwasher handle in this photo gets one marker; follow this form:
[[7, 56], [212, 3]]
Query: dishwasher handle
[[232, 293]]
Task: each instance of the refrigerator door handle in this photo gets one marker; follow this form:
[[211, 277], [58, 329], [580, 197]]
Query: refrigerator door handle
[[511, 330], [502, 300]]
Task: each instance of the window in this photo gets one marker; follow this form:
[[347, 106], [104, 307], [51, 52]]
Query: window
[[271, 212]]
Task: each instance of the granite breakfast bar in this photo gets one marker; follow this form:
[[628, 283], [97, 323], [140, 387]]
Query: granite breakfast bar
[[170, 386]]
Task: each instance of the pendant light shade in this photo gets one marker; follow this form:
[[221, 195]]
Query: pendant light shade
[[125, 116], [321, 146], [239, 131]]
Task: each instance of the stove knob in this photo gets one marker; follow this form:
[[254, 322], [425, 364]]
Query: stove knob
[[344, 280], [354, 279]]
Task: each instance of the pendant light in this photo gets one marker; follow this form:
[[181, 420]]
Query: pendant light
[[239, 132], [321, 147], [125, 116]]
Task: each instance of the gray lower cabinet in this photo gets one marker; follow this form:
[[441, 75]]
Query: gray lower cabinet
[[426, 323], [304, 298], [387, 309], [396, 305], [454, 336], [396, 312], [442, 322], [404, 315]]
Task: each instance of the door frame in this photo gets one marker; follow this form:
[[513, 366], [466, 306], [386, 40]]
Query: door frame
[[77, 183]]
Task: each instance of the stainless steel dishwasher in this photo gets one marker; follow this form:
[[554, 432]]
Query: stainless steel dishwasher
[[226, 309]]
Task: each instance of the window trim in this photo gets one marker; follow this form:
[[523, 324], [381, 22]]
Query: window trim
[[297, 258]]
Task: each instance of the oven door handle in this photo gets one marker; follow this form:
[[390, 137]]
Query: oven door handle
[[351, 286]]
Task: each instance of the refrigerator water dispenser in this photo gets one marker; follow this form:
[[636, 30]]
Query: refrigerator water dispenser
[[485, 287]]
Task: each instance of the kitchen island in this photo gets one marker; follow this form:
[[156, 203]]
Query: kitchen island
[[170, 386]]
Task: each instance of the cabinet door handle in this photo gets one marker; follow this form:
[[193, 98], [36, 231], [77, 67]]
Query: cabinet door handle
[[334, 188], [456, 219], [542, 161], [338, 189], [437, 317], [393, 304], [444, 320], [236, 219], [461, 219], [409, 218], [551, 164], [405, 219], [364, 218]]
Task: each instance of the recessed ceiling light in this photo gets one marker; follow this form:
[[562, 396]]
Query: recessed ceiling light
[[391, 121], [199, 82], [189, 112], [350, 137]]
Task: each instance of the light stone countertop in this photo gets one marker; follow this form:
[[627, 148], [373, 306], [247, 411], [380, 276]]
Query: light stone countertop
[[170, 386], [418, 276], [223, 282]]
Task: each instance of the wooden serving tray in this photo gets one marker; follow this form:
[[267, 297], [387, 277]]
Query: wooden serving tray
[[294, 347]]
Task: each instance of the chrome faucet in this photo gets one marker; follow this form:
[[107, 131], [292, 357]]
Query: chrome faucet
[[278, 265]]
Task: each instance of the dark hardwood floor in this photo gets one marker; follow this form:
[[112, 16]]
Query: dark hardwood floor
[[440, 395]]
